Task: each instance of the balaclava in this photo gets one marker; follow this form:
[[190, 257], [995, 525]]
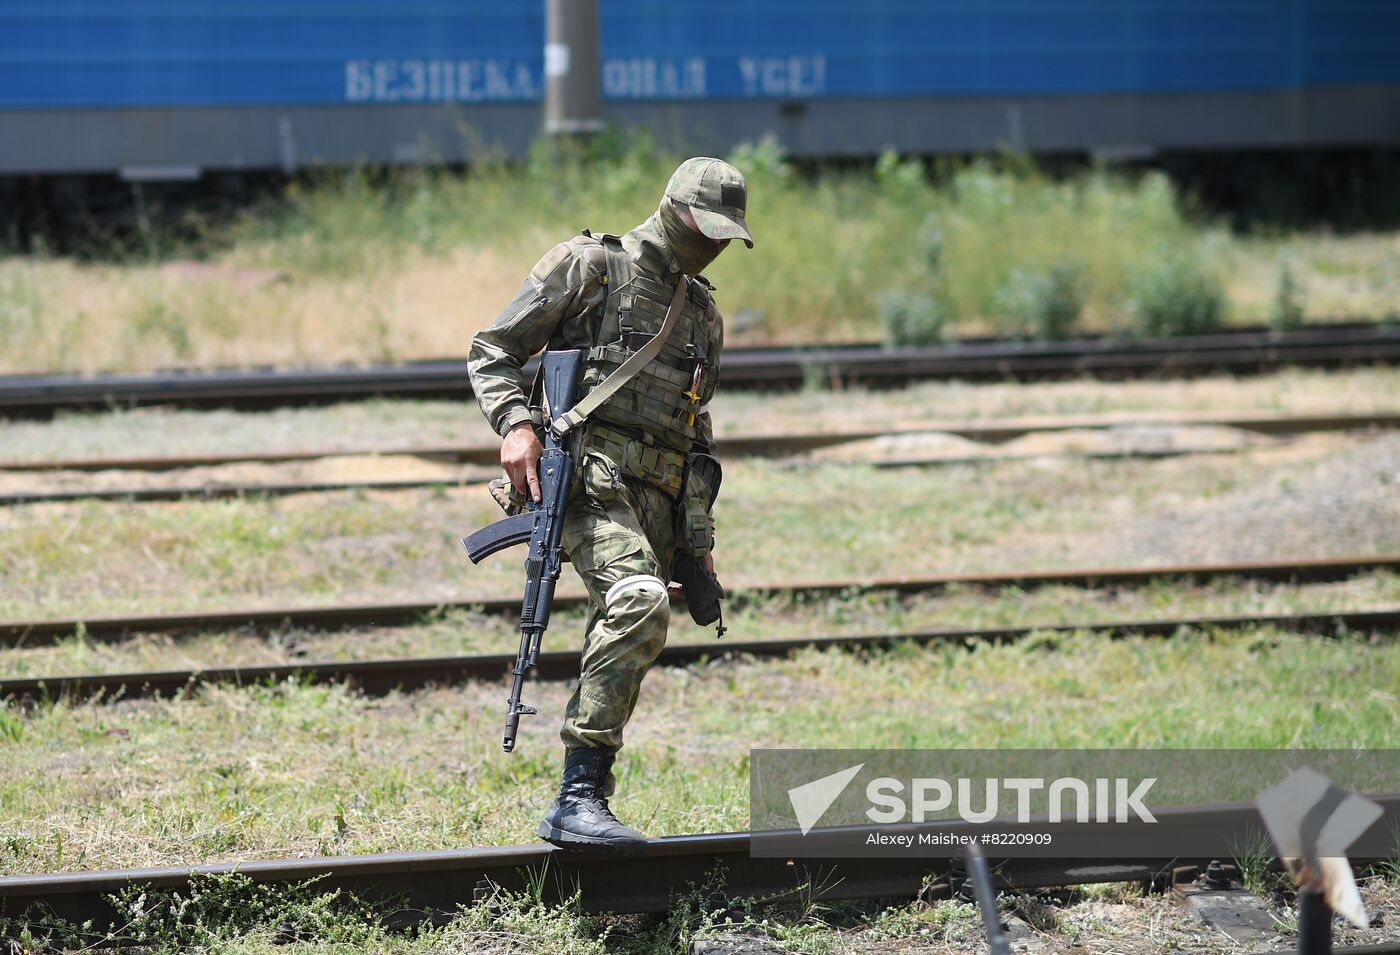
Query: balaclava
[[692, 250]]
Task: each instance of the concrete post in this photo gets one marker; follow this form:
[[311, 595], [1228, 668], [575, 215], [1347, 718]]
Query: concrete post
[[573, 96]]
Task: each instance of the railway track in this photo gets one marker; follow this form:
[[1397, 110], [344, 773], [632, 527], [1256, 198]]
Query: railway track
[[1235, 352], [423, 883], [42, 631], [996, 431], [211, 491], [379, 677], [736, 446]]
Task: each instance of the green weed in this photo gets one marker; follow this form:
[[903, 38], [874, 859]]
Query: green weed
[[1175, 293], [1253, 860], [910, 318], [1042, 303], [211, 913], [944, 921], [1286, 310], [11, 726]]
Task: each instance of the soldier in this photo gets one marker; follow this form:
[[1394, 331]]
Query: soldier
[[646, 476]]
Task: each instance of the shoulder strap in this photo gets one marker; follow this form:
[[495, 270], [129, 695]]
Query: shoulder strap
[[609, 386], [619, 268]]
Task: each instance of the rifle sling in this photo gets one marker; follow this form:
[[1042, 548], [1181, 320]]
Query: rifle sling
[[609, 386]]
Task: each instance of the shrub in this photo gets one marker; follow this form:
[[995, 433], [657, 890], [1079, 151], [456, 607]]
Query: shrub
[[1173, 293], [930, 240], [1042, 303], [1286, 310], [911, 318], [764, 161], [902, 180]]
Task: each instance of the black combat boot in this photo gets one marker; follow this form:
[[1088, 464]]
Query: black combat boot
[[580, 817]]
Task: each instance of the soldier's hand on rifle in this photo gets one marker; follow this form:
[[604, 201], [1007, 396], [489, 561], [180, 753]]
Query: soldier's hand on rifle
[[520, 456]]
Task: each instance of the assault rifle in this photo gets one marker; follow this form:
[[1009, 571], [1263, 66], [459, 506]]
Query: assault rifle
[[541, 525]]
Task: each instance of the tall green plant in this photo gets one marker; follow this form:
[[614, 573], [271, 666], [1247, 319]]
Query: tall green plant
[[1175, 293], [1042, 304], [1286, 310]]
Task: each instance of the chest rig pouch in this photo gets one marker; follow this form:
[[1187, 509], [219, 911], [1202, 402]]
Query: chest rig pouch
[[648, 426]]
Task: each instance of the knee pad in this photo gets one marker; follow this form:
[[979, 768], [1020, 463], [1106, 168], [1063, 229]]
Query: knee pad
[[641, 594]]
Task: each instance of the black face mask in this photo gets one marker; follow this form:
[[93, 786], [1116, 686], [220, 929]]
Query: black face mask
[[692, 250]]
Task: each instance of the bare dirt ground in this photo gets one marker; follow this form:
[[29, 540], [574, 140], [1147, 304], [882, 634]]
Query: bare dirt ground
[[921, 447], [1353, 495]]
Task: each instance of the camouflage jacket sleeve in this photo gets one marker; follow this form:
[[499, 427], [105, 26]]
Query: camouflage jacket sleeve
[[553, 308], [704, 427]]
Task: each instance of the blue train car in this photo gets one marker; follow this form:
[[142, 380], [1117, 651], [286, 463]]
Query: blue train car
[[171, 90]]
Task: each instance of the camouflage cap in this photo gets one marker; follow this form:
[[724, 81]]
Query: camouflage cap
[[717, 196]]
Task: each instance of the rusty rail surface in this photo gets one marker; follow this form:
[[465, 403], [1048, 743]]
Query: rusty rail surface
[[1236, 352], [421, 884], [379, 677]]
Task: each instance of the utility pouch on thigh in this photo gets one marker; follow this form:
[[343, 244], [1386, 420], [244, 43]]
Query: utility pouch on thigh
[[695, 526], [703, 591], [601, 477]]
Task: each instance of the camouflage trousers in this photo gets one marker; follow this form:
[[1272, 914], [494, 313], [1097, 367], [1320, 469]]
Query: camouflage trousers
[[619, 534]]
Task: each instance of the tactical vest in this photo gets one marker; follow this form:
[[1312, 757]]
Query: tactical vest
[[649, 425]]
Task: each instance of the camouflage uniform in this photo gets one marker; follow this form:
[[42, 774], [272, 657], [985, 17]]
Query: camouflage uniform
[[620, 531]]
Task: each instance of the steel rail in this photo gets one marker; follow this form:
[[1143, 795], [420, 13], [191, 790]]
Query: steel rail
[[993, 431], [41, 631], [425, 883], [382, 676], [1233, 352]]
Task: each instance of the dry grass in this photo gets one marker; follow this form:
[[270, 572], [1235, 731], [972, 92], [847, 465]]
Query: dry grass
[[83, 317], [354, 268], [1338, 274], [94, 317]]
